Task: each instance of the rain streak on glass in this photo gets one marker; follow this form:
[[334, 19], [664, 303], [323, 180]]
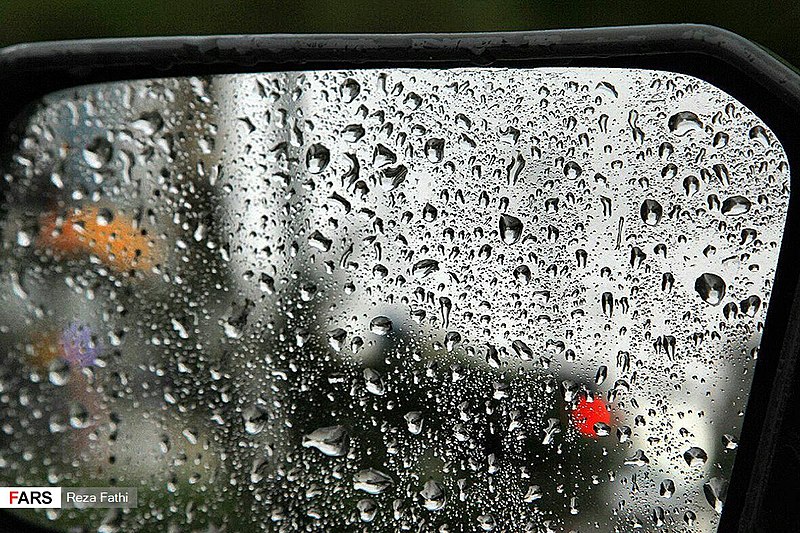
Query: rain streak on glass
[[423, 300]]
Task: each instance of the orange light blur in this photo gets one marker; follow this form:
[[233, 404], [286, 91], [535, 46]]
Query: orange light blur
[[118, 243], [44, 349]]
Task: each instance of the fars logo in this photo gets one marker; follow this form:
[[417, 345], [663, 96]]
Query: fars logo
[[30, 497]]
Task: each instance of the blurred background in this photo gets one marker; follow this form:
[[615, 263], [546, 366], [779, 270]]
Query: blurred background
[[771, 24]]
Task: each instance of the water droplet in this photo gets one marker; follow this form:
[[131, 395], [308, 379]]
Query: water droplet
[[509, 134], [735, 205], [720, 140], [336, 339], [24, 238], [651, 212], [317, 158], [572, 170], [533, 493], [667, 488], [79, 417], [382, 157], [729, 442], [638, 459], [601, 375], [391, 177], [350, 89], [710, 287], [98, 153], [750, 305], [607, 303], [374, 382], [759, 134], [684, 122], [353, 133], [319, 241], [429, 213], [58, 372], [748, 235], [607, 89], [510, 229], [669, 171], [371, 481], [522, 350], [691, 185], [522, 274], [434, 150], [414, 421], [637, 257], [413, 101], [433, 495], [695, 456], [487, 522], [255, 419], [148, 123], [425, 267], [601, 429], [104, 216], [57, 423], [367, 509], [715, 490], [332, 441], [581, 256], [256, 470], [380, 325], [722, 173], [551, 430]]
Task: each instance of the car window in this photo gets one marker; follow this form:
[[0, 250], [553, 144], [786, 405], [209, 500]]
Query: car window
[[380, 300]]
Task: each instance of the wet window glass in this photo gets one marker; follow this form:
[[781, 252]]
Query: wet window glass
[[424, 300]]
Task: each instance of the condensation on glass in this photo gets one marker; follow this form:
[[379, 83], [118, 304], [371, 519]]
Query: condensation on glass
[[428, 300]]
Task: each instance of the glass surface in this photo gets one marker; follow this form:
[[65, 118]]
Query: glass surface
[[424, 300]]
